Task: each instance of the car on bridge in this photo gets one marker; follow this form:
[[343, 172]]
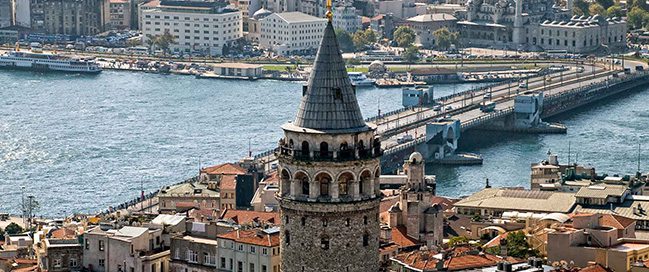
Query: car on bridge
[[404, 138]]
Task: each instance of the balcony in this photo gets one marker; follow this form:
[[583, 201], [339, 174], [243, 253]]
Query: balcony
[[330, 156]]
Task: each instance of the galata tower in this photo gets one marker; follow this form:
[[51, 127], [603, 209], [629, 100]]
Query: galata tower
[[329, 167]]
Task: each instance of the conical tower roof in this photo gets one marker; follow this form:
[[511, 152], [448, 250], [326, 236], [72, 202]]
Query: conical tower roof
[[329, 103]]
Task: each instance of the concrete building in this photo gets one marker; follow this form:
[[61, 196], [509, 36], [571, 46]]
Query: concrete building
[[254, 24], [22, 13], [185, 196], [582, 34], [60, 250], [236, 185], [346, 18], [68, 17], [402, 9], [602, 238], [6, 13], [329, 168], [422, 220], [144, 6], [494, 201], [195, 250], [264, 198], [125, 249], [425, 25], [249, 250], [119, 14], [291, 33], [548, 174], [198, 27]]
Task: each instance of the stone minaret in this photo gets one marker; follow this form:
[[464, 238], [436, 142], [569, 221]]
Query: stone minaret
[[517, 34], [329, 165]]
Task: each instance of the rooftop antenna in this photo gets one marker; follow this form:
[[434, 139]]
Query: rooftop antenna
[[568, 152], [249, 148], [141, 190], [638, 158]]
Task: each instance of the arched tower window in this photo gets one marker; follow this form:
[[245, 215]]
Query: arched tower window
[[290, 143], [361, 148], [365, 183], [345, 152], [305, 149], [287, 237], [366, 239], [324, 150], [344, 182], [324, 242], [303, 179], [285, 182], [324, 181], [365, 220], [303, 221]]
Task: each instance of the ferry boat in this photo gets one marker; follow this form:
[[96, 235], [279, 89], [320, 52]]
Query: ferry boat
[[360, 80], [47, 62]]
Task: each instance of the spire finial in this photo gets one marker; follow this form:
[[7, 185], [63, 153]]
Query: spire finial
[[330, 14]]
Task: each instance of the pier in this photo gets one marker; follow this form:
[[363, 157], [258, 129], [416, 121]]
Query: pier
[[435, 134]]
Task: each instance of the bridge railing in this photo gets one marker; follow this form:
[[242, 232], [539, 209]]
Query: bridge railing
[[494, 115], [401, 147]]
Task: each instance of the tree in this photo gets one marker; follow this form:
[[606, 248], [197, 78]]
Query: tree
[[411, 54], [165, 40], [606, 3], [363, 38], [404, 36], [615, 11], [517, 246], [637, 17], [151, 42], [2, 233], [445, 38], [13, 228], [581, 8], [457, 240], [596, 8], [345, 40]]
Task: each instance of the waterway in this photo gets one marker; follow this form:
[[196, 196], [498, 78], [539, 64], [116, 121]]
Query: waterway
[[82, 143]]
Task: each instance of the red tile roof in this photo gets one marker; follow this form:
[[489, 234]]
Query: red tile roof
[[401, 238], [228, 182], [153, 3], [272, 178], [387, 202], [27, 269], [252, 237], [595, 268], [242, 217], [63, 233], [496, 240], [458, 258], [224, 169], [420, 259], [615, 221]]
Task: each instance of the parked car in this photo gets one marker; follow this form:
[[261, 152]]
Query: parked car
[[404, 138]]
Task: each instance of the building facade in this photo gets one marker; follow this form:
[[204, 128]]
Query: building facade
[[329, 167], [425, 25], [249, 250], [582, 34], [198, 27], [185, 196], [6, 13], [68, 17], [345, 18], [119, 14], [291, 33]]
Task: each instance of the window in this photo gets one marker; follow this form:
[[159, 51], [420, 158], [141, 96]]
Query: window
[[303, 219], [253, 249], [192, 256], [102, 262], [324, 242], [73, 263], [365, 220], [287, 237], [264, 268], [252, 267], [240, 247], [264, 251], [366, 239], [57, 263], [87, 244], [239, 267], [222, 262], [101, 245]]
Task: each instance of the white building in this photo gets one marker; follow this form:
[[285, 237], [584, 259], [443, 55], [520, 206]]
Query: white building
[[126, 249], [345, 18], [292, 32], [249, 250], [198, 27], [582, 34], [23, 13]]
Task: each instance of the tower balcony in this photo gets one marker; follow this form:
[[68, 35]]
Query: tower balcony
[[329, 156]]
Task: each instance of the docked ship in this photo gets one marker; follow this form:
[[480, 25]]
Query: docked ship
[[360, 80], [47, 62]]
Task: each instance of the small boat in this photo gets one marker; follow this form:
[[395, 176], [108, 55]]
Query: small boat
[[360, 80]]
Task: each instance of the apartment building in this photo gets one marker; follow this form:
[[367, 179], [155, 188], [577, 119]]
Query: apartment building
[[249, 250], [292, 33], [198, 27]]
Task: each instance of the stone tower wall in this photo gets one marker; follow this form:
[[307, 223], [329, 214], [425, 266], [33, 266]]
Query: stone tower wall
[[344, 224]]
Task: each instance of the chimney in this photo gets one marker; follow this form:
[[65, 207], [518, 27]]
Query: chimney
[[386, 233]]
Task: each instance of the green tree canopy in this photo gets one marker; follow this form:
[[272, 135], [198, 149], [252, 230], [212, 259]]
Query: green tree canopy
[[637, 18], [13, 228], [411, 54], [363, 38], [581, 7], [404, 36], [458, 240], [606, 3], [445, 38], [165, 40], [614, 11], [596, 8], [2, 233], [517, 246], [345, 40]]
